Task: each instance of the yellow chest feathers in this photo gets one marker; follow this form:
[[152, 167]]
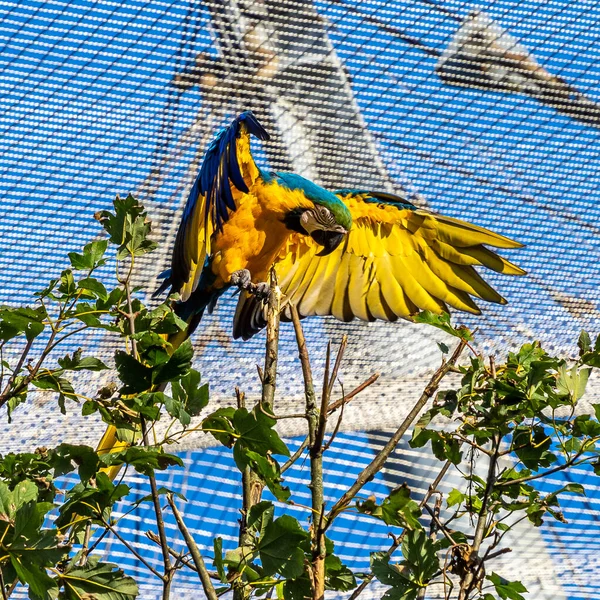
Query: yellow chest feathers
[[255, 231]]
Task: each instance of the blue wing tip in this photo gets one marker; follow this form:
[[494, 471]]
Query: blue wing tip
[[253, 124], [166, 275]]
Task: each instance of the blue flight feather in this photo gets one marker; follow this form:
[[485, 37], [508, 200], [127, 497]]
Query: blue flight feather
[[219, 171]]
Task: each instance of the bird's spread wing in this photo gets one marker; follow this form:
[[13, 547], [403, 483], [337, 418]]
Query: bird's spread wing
[[227, 166], [396, 260]]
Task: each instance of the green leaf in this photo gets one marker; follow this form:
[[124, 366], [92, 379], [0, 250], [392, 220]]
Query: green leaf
[[41, 585], [218, 424], [396, 509], [507, 590], [15, 321], [192, 395], [76, 363], [118, 224], [97, 580], [293, 565], [139, 244], [87, 313], [87, 500], [94, 286], [6, 502], [455, 497], [584, 343], [95, 249], [296, 589], [338, 576], [419, 551], [442, 321], [81, 262], [91, 257], [572, 382], [177, 366], [115, 297], [142, 459], [218, 560], [67, 457], [259, 516], [135, 376], [268, 470], [256, 432], [390, 574], [24, 492], [67, 285], [532, 447], [278, 547], [161, 491]]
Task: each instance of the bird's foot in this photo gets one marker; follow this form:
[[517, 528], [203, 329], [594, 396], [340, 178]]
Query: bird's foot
[[243, 280]]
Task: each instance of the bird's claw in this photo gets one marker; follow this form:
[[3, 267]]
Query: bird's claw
[[242, 279], [261, 290]]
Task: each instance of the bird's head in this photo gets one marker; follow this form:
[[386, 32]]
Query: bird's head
[[326, 219], [321, 224]]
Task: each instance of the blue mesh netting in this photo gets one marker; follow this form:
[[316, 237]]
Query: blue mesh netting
[[100, 98]]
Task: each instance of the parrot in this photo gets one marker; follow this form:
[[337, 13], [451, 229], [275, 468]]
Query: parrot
[[346, 253]]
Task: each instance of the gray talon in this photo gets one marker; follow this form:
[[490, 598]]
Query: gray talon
[[262, 290], [243, 280]]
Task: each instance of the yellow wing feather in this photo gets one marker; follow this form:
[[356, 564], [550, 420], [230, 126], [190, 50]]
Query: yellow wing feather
[[395, 262]]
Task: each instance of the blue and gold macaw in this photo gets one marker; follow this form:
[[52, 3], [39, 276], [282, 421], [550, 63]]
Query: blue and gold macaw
[[350, 253]]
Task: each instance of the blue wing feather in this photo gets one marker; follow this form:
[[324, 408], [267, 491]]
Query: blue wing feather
[[220, 169]]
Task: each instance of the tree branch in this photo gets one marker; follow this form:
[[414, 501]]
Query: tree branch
[[398, 540], [160, 524], [252, 485], [473, 567], [377, 463], [357, 390], [316, 430], [203, 574]]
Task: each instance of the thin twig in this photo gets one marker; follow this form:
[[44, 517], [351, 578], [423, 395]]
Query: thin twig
[[441, 527], [336, 366], [357, 390], [325, 391], [377, 463], [252, 485], [2, 587], [160, 524], [398, 540], [336, 428], [270, 372], [470, 578], [280, 417], [570, 463], [295, 456], [207, 584], [86, 541], [132, 550], [179, 556]]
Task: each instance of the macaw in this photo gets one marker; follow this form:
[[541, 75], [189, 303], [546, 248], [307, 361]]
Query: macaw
[[349, 253]]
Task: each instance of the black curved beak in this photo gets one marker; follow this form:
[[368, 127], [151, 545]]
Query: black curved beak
[[330, 240]]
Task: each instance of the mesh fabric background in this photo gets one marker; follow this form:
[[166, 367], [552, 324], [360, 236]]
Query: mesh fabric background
[[100, 98]]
